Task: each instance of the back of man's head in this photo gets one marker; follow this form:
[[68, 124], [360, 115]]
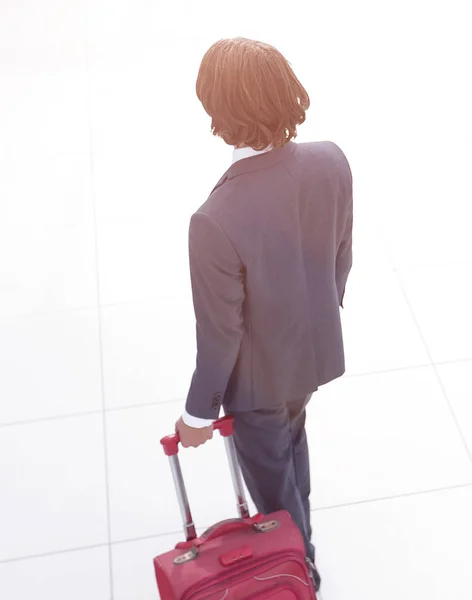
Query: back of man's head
[[251, 94]]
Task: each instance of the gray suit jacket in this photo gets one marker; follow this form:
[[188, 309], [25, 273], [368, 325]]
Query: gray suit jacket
[[270, 253]]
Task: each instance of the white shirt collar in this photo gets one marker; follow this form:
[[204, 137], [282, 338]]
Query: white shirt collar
[[240, 153]]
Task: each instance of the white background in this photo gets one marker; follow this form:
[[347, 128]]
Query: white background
[[105, 152]]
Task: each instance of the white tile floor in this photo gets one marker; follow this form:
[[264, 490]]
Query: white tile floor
[[104, 154]]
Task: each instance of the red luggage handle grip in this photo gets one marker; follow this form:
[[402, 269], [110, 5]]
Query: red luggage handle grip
[[221, 528], [170, 443]]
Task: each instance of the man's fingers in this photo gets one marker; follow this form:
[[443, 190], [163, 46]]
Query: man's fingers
[[193, 438]]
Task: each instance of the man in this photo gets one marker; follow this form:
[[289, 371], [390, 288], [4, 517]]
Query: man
[[270, 254]]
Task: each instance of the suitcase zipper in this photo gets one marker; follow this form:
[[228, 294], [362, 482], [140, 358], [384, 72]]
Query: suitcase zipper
[[237, 576]]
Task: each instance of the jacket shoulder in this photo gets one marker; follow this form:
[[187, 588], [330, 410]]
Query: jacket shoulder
[[327, 148], [328, 154], [221, 199]]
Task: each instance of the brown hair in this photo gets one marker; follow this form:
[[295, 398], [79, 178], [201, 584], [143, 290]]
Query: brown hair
[[251, 94]]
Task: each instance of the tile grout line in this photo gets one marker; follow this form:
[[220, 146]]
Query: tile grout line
[[99, 309], [435, 369], [85, 413], [71, 309], [179, 531], [458, 486], [113, 409], [53, 553]]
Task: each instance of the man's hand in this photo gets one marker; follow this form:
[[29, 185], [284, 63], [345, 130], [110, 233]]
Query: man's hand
[[191, 437]]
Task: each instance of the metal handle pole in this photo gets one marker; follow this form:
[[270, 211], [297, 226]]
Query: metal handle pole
[[187, 520], [171, 448], [235, 470]]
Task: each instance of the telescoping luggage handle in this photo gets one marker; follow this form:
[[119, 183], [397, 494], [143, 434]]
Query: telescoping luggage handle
[[171, 448]]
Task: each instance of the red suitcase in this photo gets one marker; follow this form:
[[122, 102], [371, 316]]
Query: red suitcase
[[260, 557]]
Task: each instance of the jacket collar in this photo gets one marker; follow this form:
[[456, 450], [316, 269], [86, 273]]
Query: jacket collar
[[240, 153], [258, 162]]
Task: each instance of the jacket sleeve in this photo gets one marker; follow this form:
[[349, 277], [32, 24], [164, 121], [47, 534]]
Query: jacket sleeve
[[344, 253], [218, 294], [344, 258]]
